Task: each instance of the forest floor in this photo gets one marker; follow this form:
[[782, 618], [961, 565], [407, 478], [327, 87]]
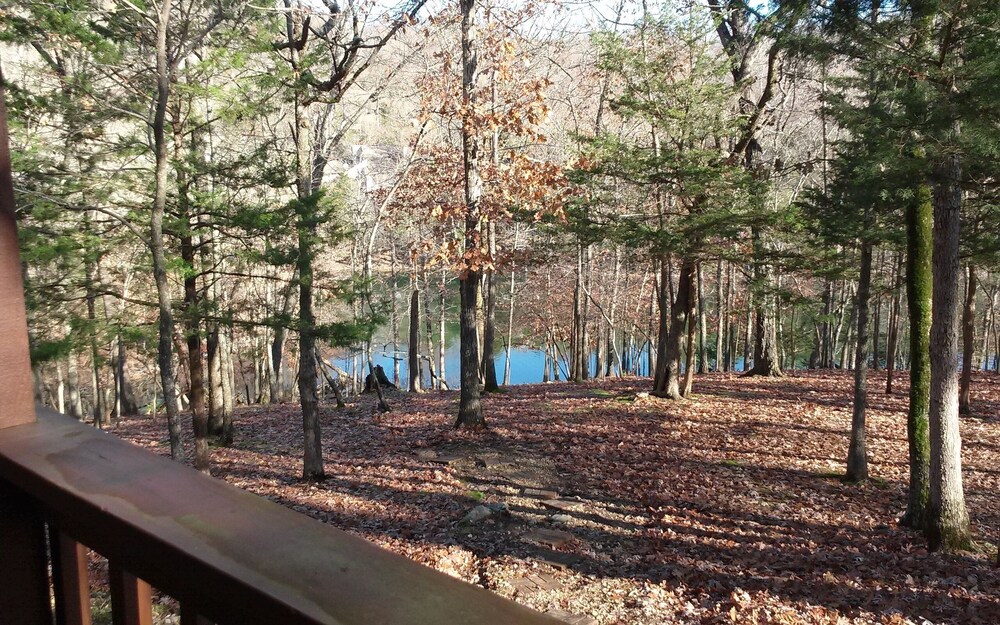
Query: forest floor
[[627, 509]]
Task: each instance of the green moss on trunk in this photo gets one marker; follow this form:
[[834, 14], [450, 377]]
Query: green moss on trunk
[[919, 286]]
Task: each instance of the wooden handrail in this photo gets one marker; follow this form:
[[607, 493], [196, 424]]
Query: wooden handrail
[[225, 554]]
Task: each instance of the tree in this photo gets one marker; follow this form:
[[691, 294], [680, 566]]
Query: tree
[[470, 409], [672, 86], [341, 36]]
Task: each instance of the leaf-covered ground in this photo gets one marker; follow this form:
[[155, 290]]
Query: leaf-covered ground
[[634, 510]]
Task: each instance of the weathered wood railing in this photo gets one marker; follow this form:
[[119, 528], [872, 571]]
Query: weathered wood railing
[[226, 555]]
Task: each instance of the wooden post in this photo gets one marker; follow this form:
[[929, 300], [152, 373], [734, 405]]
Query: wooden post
[[16, 400], [131, 598], [24, 577], [70, 581]]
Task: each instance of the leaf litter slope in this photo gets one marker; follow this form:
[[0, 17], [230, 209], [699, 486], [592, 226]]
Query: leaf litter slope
[[725, 508]]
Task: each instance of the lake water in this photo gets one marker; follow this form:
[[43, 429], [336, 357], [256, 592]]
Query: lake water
[[526, 364]]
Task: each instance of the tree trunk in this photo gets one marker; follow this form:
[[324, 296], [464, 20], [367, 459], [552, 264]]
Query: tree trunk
[[73, 384], [166, 319], [857, 454], [277, 387], [720, 318], [766, 360], [442, 292], [748, 341], [893, 338], [547, 360], [125, 403], [948, 521], [666, 381], [702, 334], [196, 373], [413, 348], [394, 319], [694, 296], [432, 378], [470, 409], [220, 387], [306, 222], [510, 325], [919, 284], [490, 319], [729, 326], [968, 343]]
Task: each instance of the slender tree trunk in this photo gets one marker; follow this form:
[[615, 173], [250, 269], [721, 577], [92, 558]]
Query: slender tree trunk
[[548, 360], [857, 454], [614, 354], [968, 343], [306, 233], [720, 318], [442, 292], [470, 409], [748, 342], [489, 320], [220, 423], [948, 521], [277, 389], [196, 372], [702, 334], [876, 330], [395, 320], [893, 338], [576, 336], [585, 317], [729, 326], [73, 384], [987, 328], [692, 320], [510, 325], [432, 378], [413, 348], [157, 246]]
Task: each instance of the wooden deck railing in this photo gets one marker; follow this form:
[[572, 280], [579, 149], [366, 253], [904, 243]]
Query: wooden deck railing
[[227, 556]]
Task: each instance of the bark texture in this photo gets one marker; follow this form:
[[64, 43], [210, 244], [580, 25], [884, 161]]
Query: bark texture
[[919, 237], [948, 522], [857, 453], [470, 409]]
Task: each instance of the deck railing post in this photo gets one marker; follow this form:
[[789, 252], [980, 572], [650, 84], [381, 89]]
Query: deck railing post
[[70, 579], [17, 404], [24, 577], [131, 598]]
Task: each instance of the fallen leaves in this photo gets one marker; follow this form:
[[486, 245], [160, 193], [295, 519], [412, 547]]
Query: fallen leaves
[[727, 508]]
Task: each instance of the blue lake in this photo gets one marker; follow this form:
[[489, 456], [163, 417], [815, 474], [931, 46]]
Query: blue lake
[[526, 364]]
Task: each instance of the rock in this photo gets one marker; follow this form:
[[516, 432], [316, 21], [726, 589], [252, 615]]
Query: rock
[[561, 504], [558, 559], [561, 518], [572, 619], [487, 462], [539, 493], [477, 514], [499, 508], [426, 454]]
